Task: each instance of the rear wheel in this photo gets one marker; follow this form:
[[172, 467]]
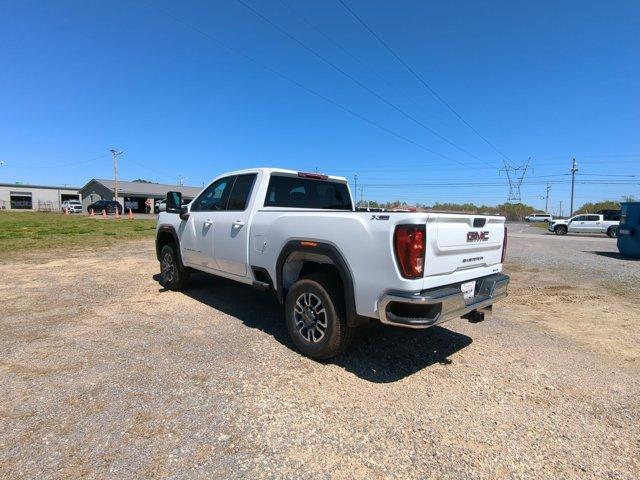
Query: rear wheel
[[612, 232], [171, 275], [316, 316], [560, 230]]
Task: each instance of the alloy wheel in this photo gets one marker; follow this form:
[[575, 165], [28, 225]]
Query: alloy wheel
[[310, 317], [168, 267]]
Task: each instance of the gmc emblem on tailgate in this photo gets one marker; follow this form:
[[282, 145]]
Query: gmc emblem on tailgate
[[477, 236]]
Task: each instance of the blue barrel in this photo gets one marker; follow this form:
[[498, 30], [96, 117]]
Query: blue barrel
[[629, 229]]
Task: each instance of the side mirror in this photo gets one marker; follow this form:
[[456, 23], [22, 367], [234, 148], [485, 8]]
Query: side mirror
[[174, 202], [184, 212]]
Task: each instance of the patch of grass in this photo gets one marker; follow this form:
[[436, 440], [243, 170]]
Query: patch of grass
[[543, 225], [21, 231]]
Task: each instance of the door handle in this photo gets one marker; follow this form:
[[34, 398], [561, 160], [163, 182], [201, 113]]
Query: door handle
[[238, 224], [208, 222]]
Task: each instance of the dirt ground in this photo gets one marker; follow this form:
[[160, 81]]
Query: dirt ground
[[104, 374]]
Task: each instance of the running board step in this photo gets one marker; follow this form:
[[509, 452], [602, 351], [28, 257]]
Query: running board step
[[264, 286]]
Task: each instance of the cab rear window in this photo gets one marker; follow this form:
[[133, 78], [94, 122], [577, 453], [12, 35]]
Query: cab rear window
[[297, 192]]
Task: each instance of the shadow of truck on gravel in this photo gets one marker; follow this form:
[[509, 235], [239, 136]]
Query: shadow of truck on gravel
[[616, 255], [378, 353]]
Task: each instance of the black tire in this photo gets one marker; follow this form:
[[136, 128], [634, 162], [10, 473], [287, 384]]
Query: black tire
[[560, 230], [612, 232], [306, 328], [172, 276]]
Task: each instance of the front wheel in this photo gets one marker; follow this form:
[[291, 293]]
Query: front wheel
[[560, 230], [172, 276], [316, 317], [612, 232]]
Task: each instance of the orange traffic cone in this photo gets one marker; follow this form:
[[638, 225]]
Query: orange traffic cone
[[66, 211], [130, 214], [104, 213], [117, 213], [91, 214]]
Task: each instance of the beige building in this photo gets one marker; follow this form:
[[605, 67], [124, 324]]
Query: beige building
[[131, 195]]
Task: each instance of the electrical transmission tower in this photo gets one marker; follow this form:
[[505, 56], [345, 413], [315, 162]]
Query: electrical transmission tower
[[515, 176]]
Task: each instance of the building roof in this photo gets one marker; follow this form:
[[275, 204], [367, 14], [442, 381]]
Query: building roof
[[142, 188], [28, 185]]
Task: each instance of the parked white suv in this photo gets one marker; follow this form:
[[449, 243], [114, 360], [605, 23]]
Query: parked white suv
[[333, 268], [586, 223], [160, 206], [539, 217], [73, 206]]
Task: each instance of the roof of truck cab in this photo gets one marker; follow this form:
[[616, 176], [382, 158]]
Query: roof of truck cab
[[270, 170]]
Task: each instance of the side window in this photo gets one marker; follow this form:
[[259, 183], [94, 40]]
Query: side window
[[580, 218], [296, 192], [593, 218], [240, 192], [623, 214], [214, 197]]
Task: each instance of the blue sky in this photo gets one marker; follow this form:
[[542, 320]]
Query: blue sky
[[542, 80]]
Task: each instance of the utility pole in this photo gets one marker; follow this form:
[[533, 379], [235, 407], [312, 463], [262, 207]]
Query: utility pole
[[355, 187], [546, 203], [361, 195], [181, 180], [574, 169], [561, 208], [115, 154]]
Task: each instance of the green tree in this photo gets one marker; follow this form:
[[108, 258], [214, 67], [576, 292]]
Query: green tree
[[597, 206]]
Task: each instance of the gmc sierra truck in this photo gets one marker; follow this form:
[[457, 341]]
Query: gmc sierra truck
[[333, 268]]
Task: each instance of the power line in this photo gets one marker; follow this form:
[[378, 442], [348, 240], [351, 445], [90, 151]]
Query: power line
[[360, 84], [350, 54], [494, 184], [301, 86], [420, 79], [95, 159]]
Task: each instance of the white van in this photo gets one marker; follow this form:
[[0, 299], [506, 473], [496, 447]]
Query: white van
[[539, 217]]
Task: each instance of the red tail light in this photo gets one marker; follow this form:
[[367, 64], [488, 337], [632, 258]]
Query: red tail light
[[504, 246], [409, 242]]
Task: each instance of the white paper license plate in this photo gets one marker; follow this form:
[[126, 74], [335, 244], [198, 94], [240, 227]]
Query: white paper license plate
[[468, 289]]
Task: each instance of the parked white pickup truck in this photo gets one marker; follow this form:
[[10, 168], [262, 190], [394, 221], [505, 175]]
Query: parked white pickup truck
[[586, 223], [333, 268]]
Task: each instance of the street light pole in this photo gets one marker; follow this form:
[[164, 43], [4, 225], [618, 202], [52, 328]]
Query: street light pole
[[355, 188], [115, 154], [574, 169], [546, 203]]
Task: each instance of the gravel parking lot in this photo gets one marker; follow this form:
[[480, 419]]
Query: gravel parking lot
[[106, 375]]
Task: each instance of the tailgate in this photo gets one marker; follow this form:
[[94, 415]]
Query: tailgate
[[462, 242]]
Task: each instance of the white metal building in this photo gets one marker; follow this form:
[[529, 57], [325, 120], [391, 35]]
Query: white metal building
[[46, 198], [131, 195]]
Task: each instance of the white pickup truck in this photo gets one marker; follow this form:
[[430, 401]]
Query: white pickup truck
[[586, 223], [333, 268]]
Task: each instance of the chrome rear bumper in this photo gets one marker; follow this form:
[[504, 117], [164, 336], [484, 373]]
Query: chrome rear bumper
[[431, 307]]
